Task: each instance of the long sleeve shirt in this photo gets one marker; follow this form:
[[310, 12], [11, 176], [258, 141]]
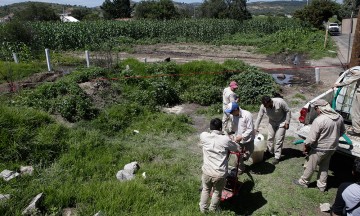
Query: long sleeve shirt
[[354, 77], [216, 147], [325, 133], [243, 125], [278, 115], [228, 97]]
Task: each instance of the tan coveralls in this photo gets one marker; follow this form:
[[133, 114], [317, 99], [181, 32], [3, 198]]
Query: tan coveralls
[[243, 125], [228, 97], [278, 115], [323, 139], [355, 108], [216, 147]]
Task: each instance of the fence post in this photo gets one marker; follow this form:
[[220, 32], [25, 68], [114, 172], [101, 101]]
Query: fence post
[[15, 58], [317, 75], [47, 53], [145, 60], [87, 58]]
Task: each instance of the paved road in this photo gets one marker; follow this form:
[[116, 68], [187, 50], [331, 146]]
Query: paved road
[[344, 50]]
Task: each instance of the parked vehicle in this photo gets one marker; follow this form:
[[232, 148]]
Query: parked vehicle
[[334, 29], [341, 100]]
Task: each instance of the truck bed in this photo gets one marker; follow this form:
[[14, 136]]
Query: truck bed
[[353, 150]]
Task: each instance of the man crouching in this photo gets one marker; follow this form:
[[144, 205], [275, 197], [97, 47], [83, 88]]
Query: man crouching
[[216, 148]]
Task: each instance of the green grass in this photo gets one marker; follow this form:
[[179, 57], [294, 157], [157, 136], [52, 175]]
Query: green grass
[[9, 71], [84, 175], [300, 96], [75, 166]]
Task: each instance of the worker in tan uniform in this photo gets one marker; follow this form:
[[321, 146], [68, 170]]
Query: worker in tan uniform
[[355, 108], [228, 97], [279, 118], [243, 130], [321, 143], [216, 147]]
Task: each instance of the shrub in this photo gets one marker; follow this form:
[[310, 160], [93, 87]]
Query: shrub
[[203, 94], [62, 97], [85, 74], [253, 85]]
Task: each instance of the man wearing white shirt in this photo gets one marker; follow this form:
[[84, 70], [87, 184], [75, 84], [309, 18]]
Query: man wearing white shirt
[[243, 127], [229, 96]]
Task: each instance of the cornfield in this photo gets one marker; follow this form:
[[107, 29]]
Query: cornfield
[[65, 36]]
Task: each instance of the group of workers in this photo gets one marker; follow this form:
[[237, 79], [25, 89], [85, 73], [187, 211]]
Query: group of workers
[[236, 132]]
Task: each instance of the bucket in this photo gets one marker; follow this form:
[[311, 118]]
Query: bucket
[[259, 148]]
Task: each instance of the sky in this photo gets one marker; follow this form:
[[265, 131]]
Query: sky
[[88, 3]]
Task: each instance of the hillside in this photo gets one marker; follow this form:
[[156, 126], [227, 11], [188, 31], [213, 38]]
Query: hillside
[[275, 7], [59, 8], [255, 8]]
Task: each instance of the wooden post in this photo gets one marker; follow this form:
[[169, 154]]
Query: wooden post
[[355, 51]]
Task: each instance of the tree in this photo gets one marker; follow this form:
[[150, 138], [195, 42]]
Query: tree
[[116, 9], [37, 12], [80, 13], [355, 50], [348, 7], [161, 10], [318, 12], [225, 9]]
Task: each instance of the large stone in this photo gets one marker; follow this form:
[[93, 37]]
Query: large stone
[[32, 207], [99, 213], [69, 212], [7, 175], [132, 167], [128, 172], [4, 197], [123, 175], [26, 170]]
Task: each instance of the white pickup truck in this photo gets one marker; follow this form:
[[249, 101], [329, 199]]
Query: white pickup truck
[[334, 28], [341, 100]]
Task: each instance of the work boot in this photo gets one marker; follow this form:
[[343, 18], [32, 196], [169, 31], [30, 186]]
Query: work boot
[[295, 181], [267, 155], [323, 189], [275, 161]]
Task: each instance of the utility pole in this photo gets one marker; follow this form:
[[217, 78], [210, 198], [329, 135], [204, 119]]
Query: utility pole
[[355, 51]]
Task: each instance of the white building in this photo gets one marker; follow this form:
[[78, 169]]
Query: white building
[[66, 18]]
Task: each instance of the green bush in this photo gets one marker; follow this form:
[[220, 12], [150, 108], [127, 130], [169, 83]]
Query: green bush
[[164, 94], [296, 41], [254, 84], [63, 97], [203, 94], [81, 75]]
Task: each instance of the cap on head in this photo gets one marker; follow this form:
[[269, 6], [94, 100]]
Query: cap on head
[[319, 102], [232, 107], [233, 84]]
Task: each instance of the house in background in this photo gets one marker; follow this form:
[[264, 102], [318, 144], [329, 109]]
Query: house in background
[[6, 18], [67, 18]]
